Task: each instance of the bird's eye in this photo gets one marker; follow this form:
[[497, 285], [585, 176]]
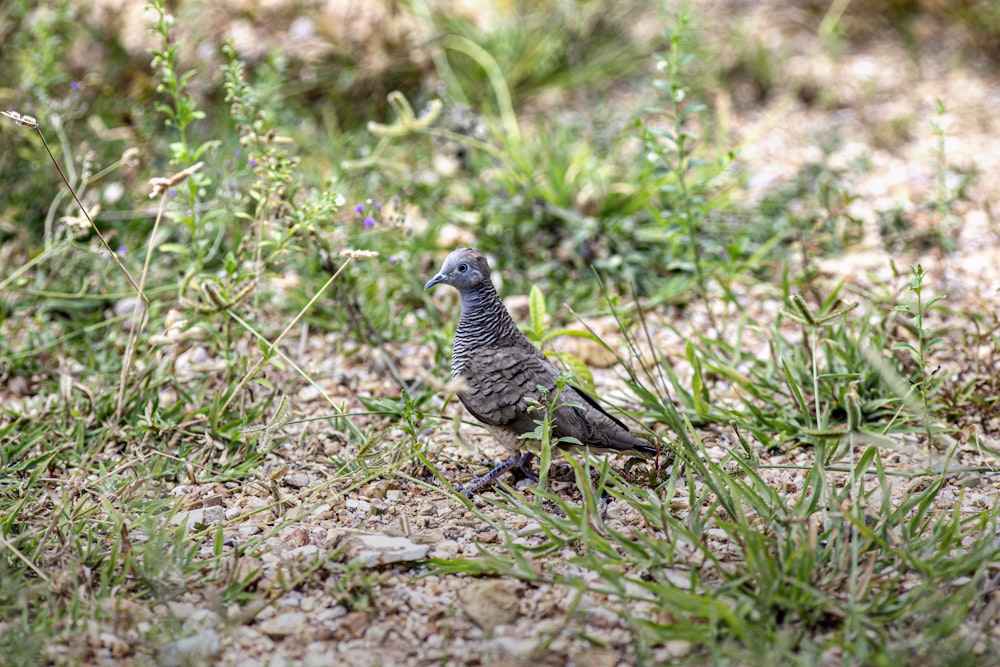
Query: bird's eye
[[462, 268]]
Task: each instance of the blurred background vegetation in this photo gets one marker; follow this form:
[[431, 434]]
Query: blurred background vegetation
[[536, 156]]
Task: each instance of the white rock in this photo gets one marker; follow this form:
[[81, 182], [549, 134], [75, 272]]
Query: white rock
[[205, 617], [330, 613], [291, 599], [318, 654], [516, 647], [445, 550], [198, 649], [296, 481], [678, 648], [248, 529], [307, 394], [283, 625], [372, 550], [362, 506], [181, 610], [204, 516], [305, 552]]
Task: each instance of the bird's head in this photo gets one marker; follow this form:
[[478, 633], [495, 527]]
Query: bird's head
[[465, 268]]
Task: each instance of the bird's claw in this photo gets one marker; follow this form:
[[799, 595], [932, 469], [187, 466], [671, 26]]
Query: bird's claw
[[519, 461]]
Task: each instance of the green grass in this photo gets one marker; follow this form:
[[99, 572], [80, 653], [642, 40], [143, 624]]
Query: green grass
[[117, 418]]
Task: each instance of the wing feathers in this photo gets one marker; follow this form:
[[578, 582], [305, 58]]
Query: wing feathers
[[503, 385]]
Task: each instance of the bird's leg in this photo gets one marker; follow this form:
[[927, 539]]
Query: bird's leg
[[523, 462], [519, 461]]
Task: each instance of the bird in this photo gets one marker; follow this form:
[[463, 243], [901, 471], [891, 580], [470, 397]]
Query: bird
[[505, 378]]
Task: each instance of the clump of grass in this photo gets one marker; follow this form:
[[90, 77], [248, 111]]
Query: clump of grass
[[739, 570], [540, 46], [685, 180], [925, 382], [87, 520]]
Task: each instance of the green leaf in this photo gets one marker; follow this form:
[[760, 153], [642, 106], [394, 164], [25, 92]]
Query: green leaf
[[175, 249], [931, 302], [794, 387], [581, 372], [205, 147], [699, 390], [579, 333], [536, 310]]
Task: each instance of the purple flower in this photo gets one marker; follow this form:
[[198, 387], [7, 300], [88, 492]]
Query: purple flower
[[172, 192], [75, 85], [121, 250], [238, 153], [252, 163], [378, 206], [369, 222], [393, 260], [360, 208]]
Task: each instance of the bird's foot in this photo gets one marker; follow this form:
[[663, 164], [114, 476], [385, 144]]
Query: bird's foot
[[519, 461]]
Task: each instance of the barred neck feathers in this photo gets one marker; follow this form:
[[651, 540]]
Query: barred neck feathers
[[484, 320]]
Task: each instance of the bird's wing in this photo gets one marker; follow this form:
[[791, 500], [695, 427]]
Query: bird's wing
[[594, 426], [502, 383], [592, 402]]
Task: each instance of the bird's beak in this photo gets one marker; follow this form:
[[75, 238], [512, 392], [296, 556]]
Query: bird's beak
[[439, 278]]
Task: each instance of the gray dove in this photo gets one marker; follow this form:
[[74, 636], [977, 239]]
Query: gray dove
[[502, 372]]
